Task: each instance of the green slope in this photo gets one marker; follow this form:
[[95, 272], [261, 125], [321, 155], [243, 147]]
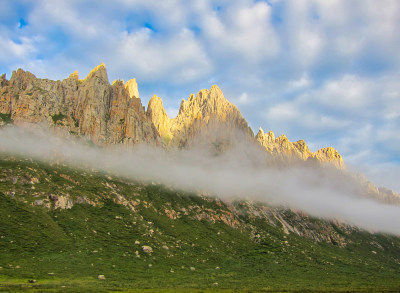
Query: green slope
[[198, 242]]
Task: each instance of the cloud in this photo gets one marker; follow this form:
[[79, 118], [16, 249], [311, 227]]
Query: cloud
[[242, 30], [77, 19], [180, 57], [15, 51], [303, 82], [242, 99], [357, 115], [348, 101], [385, 174], [240, 172]]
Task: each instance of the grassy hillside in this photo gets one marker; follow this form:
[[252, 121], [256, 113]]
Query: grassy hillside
[[64, 227]]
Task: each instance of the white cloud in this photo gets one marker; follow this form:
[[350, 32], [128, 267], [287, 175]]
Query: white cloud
[[68, 16], [349, 93], [179, 58], [283, 112], [303, 82], [243, 30], [243, 99], [239, 172], [302, 34], [383, 174], [16, 51]]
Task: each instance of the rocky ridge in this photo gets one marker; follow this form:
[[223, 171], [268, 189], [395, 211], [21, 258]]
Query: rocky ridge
[[286, 150], [106, 114], [208, 115], [113, 114]]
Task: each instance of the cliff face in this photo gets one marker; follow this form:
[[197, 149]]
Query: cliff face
[[286, 150], [92, 107], [208, 115], [114, 114]]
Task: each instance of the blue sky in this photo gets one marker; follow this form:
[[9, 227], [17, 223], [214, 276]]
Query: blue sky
[[324, 71]]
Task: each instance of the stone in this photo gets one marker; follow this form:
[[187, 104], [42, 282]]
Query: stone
[[61, 201], [147, 249], [101, 277], [38, 202]]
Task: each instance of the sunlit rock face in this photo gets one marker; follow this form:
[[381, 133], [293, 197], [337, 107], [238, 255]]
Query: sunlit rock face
[[91, 107], [297, 151], [157, 114], [113, 114], [207, 117]]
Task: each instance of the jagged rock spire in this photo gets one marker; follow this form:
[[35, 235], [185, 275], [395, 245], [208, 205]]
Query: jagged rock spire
[[285, 149], [74, 75], [114, 114], [99, 71], [132, 88]]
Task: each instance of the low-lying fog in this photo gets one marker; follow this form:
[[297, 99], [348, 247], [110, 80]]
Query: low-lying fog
[[239, 172]]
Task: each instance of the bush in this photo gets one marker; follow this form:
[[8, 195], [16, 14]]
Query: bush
[[58, 117]]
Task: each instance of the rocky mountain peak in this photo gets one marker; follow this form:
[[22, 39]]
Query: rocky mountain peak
[[271, 136], [155, 102], [110, 114], [74, 75], [330, 155], [22, 79], [100, 72], [301, 146], [91, 107], [216, 93], [157, 114], [202, 113], [282, 138], [3, 80], [267, 140], [132, 88], [260, 133], [282, 147]]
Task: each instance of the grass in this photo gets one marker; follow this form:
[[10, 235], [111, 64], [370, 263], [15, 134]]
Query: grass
[[102, 236], [58, 117], [6, 118]]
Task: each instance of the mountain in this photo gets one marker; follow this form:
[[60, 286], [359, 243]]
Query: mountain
[[113, 114], [205, 113], [281, 147], [107, 114], [65, 228]]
